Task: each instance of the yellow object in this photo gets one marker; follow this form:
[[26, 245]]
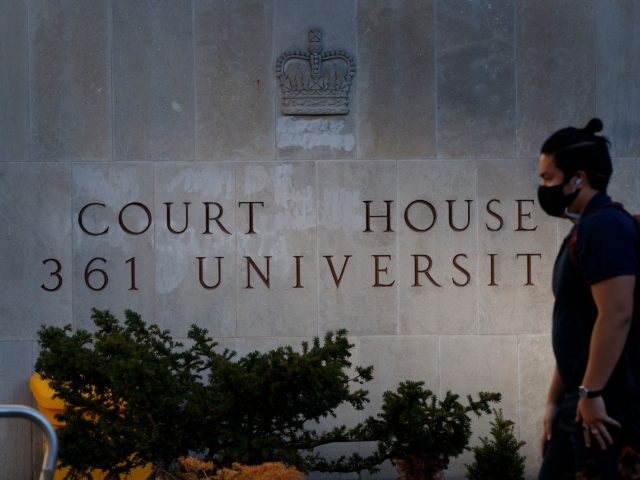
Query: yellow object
[[43, 394], [49, 407]]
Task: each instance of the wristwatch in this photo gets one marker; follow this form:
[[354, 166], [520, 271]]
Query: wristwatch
[[584, 392]]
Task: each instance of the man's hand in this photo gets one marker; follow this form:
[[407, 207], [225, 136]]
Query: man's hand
[[593, 415], [550, 412]]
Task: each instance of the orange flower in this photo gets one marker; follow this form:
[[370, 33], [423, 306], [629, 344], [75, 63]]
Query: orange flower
[[264, 471], [194, 468]]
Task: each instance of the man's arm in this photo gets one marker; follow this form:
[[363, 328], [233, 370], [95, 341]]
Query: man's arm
[[614, 300]]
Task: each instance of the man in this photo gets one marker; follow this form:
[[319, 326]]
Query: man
[[593, 404]]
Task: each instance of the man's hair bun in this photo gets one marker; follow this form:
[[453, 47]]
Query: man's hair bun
[[594, 126]]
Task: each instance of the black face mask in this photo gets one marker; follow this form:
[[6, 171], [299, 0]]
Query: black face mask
[[553, 201]]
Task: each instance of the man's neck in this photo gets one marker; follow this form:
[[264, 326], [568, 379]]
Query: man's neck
[[581, 202]]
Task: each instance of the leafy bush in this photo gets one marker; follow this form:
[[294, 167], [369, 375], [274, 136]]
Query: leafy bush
[[273, 402], [498, 457], [422, 433], [135, 396]]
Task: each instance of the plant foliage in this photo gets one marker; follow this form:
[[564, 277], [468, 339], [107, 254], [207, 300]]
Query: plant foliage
[[135, 396], [274, 401], [191, 468], [498, 458], [421, 432]]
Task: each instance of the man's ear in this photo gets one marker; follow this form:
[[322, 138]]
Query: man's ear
[[581, 178]]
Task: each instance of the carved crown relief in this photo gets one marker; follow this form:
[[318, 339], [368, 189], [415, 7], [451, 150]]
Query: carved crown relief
[[315, 82]]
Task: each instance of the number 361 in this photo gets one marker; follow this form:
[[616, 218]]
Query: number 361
[[95, 278]]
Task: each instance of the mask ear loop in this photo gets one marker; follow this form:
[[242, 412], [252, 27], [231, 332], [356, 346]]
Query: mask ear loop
[[573, 216]]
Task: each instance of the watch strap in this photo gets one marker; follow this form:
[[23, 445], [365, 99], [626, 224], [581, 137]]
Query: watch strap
[[584, 392]]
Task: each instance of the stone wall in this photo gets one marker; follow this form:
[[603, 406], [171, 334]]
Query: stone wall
[[115, 102]]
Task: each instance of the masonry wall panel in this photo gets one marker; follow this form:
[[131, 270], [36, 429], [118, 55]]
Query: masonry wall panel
[[396, 80], [14, 81], [70, 78], [153, 81], [147, 163]]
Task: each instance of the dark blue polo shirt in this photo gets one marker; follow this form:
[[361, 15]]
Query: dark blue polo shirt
[[607, 246]]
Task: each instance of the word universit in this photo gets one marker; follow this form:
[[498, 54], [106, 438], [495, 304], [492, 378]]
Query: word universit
[[419, 216]]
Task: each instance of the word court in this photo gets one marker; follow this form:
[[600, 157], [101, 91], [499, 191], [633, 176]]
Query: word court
[[419, 217]]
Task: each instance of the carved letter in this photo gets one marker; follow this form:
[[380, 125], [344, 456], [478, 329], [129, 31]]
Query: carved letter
[[529, 255], [463, 270], [81, 223], [264, 279], [337, 279], [144, 209], [434, 216], [494, 214], [201, 273], [384, 270], [493, 283], [522, 214], [453, 227], [369, 216], [186, 216], [298, 284], [251, 204], [215, 219], [416, 270]]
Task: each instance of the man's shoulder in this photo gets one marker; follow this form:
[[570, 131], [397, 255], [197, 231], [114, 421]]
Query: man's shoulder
[[608, 221], [607, 245]]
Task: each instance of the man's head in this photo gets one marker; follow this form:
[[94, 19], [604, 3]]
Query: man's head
[[580, 149], [574, 165]]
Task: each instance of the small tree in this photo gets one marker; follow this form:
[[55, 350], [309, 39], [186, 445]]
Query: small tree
[[498, 457], [274, 401], [422, 433], [132, 395]]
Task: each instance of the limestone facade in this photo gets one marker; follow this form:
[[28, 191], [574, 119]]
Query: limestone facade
[[412, 221]]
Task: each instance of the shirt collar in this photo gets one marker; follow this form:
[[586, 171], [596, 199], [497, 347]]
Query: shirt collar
[[600, 198]]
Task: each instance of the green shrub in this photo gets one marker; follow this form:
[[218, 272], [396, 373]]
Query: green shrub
[[135, 396], [498, 458], [422, 433], [274, 401]]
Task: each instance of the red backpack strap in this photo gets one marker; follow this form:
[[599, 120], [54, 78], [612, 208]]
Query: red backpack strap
[[573, 241]]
